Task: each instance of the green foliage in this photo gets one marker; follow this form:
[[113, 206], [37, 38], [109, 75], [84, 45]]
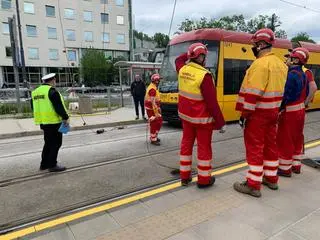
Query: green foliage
[[96, 70], [161, 40], [235, 23], [303, 37]]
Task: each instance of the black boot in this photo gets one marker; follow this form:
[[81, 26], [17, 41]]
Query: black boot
[[212, 180], [57, 168], [185, 182]]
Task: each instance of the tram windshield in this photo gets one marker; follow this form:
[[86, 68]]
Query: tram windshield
[[168, 69]]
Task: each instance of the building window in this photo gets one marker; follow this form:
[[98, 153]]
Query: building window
[[53, 54], [6, 4], [120, 20], [5, 28], [88, 36], [8, 52], [234, 72], [33, 53], [120, 3], [121, 38], [52, 33], [108, 54], [50, 11], [105, 37], [69, 13], [72, 55], [28, 7], [31, 30], [104, 1], [71, 35], [87, 16], [104, 18]]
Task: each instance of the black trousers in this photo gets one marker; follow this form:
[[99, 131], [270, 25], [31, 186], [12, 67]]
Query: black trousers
[[52, 144], [139, 100]]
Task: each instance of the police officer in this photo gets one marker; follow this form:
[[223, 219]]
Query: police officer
[[49, 112]]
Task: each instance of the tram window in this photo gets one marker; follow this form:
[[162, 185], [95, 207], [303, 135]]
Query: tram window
[[234, 72], [316, 72]]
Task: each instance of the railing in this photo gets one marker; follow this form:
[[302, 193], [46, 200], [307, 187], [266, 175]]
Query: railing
[[103, 99]]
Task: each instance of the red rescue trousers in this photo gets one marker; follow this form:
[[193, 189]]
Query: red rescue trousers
[[155, 124], [261, 149], [203, 134], [290, 140]]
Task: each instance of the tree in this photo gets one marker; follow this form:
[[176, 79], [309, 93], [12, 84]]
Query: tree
[[161, 40], [302, 36], [236, 23], [95, 68]]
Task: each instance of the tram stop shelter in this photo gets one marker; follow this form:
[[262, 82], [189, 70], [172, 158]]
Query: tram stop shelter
[[128, 69]]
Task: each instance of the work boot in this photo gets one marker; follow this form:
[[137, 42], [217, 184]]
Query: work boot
[[57, 168], [283, 173], [212, 180], [42, 168], [296, 170], [272, 186], [156, 143], [185, 182], [244, 188]]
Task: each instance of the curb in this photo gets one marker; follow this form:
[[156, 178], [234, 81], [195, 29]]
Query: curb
[[76, 128]]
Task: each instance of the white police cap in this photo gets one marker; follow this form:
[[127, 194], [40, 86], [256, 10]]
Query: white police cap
[[48, 76]]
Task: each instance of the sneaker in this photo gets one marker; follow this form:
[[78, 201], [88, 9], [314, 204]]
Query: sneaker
[[144, 118], [156, 143], [158, 140], [212, 180], [272, 186], [283, 174], [185, 182], [296, 170], [244, 188], [57, 168], [137, 117]]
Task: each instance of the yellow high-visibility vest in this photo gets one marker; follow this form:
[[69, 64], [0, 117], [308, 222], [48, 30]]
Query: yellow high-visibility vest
[[43, 110], [192, 107]]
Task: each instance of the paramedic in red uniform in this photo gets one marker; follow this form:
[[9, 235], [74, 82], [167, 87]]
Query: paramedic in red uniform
[[259, 100], [291, 121], [200, 113], [152, 105]]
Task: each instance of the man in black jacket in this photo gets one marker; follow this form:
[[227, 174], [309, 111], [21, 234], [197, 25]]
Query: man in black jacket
[[138, 91]]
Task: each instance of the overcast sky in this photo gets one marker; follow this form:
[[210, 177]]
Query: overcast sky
[[154, 15]]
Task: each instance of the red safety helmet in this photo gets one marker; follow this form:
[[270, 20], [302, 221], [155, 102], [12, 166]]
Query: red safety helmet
[[196, 49], [264, 34], [301, 53], [155, 77]]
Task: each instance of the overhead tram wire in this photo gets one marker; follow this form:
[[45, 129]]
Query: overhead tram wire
[[172, 17], [300, 6], [99, 131]]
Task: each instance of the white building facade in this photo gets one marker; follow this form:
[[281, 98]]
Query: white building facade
[[56, 33]]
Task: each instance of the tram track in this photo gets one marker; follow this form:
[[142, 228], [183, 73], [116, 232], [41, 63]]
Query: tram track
[[16, 180], [103, 198], [12, 181]]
